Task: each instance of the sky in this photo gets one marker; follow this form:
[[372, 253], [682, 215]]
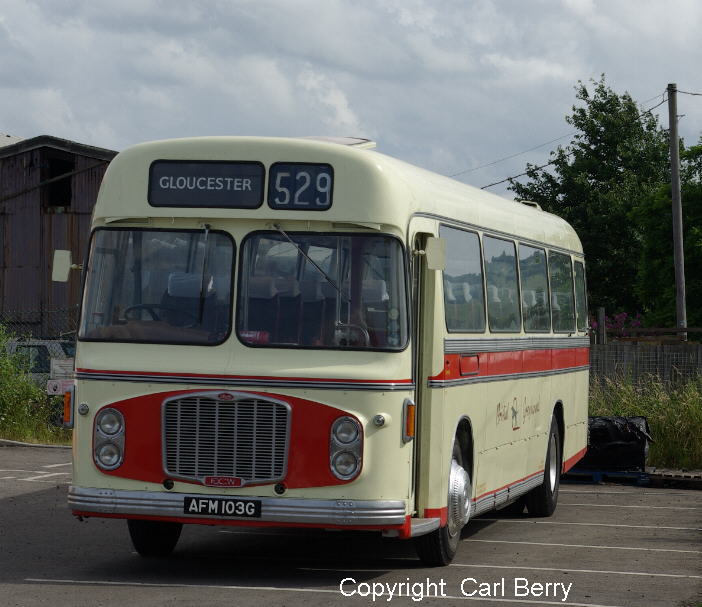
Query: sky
[[450, 86]]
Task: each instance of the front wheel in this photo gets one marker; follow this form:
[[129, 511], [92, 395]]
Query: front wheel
[[437, 549], [542, 500], [154, 538]]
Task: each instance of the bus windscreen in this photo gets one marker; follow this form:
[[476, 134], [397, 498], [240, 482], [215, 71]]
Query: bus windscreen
[[158, 286], [322, 291]]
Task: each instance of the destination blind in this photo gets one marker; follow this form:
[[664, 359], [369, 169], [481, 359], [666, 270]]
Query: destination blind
[[223, 184]]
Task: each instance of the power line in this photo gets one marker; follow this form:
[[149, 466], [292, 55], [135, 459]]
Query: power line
[[536, 168], [536, 147], [489, 164], [689, 93]]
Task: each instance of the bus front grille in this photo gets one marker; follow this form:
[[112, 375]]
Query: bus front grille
[[244, 438]]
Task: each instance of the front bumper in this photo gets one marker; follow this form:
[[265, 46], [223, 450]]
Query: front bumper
[[285, 511]]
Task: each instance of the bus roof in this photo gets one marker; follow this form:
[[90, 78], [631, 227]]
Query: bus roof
[[370, 188]]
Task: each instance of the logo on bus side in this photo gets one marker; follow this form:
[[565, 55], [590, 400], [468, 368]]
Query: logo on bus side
[[516, 411]]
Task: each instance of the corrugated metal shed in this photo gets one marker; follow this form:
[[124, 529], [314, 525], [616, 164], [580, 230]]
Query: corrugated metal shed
[[41, 211]]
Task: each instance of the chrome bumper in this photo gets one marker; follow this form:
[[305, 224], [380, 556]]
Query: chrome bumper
[[275, 510]]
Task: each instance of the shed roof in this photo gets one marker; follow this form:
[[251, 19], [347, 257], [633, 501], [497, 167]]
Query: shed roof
[[17, 145]]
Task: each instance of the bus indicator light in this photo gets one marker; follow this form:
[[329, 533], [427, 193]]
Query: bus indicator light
[[68, 407], [409, 426]]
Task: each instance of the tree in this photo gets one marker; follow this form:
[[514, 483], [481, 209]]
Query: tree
[[617, 158], [655, 286]]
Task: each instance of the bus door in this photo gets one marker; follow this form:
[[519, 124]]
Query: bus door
[[427, 351]]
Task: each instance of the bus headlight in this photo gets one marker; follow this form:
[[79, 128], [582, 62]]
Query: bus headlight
[[345, 448], [110, 421], [108, 439], [345, 430], [345, 464], [108, 456]]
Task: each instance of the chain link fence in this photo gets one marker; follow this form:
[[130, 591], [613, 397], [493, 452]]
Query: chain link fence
[[636, 362], [41, 324]]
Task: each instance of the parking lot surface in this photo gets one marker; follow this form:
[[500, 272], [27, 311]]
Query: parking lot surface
[[606, 545]]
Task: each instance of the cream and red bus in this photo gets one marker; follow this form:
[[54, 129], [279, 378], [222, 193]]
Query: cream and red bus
[[307, 333]]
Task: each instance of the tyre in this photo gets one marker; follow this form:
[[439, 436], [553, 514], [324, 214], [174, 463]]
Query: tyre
[[154, 538], [437, 549], [516, 508], [542, 500]]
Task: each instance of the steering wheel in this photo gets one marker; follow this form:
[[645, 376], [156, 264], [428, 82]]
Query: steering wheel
[[151, 309], [350, 329]]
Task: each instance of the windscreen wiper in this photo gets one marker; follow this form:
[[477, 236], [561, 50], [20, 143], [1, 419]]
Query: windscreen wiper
[[202, 277], [326, 276]]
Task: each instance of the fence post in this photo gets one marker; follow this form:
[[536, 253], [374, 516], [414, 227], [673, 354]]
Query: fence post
[[601, 328]]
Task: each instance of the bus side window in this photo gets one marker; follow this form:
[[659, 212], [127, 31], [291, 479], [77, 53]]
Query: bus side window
[[562, 304], [534, 282], [501, 275], [580, 297], [464, 304]]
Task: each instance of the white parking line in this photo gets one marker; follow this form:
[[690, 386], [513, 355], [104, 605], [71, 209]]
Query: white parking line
[[292, 589], [6, 478], [28, 471], [501, 520], [530, 568], [44, 475], [630, 506], [596, 492], [584, 546], [56, 465]]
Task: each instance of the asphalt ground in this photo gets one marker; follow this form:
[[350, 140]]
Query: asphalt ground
[[608, 545]]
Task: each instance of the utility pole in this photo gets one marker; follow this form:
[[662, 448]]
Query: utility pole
[[679, 255]]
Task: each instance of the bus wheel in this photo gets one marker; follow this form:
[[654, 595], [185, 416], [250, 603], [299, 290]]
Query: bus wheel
[[542, 500], [154, 538], [437, 549]]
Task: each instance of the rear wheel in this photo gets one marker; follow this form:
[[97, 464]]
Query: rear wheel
[[516, 508], [542, 500], [154, 538], [437, 549]]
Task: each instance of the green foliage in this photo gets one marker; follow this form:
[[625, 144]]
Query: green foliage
[[618, 157], [674, 415], [25, 410], [655, 286]]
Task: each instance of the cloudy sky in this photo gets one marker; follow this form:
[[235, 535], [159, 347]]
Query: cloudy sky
[[450, 85]]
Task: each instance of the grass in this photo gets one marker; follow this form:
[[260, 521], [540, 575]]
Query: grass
[[26, 410], [674, 414]]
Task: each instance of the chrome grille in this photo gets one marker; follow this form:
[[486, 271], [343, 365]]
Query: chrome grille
[[245, 438]]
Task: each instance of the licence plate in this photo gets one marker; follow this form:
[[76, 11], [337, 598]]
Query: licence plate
[[222, 506]]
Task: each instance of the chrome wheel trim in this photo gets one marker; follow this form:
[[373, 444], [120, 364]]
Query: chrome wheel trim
[[552, 462], [458, 498]]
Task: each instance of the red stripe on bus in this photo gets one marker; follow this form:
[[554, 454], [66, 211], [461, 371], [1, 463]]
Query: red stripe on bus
[[245, 377], [571, 461], [518, 361], [440, 513], [521, 480]]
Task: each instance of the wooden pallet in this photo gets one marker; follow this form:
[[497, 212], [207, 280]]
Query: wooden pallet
[[689, 478], [581, 475]]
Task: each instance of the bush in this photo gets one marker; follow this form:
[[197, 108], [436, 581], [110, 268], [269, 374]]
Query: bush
[[25, 409], [674, 414]]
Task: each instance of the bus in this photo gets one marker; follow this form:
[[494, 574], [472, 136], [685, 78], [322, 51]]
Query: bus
[[281, 332]]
